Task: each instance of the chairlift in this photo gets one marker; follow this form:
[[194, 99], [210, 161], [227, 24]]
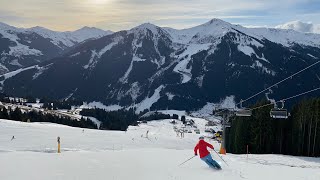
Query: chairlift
[[243, 112], [279, 113]]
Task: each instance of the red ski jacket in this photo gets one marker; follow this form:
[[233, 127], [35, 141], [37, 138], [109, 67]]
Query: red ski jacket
[[202, 147]]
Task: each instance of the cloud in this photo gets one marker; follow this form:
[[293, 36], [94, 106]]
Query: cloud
[[301, 27]]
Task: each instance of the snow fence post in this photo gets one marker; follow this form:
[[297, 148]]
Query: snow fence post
[[247, 151], [58, 140]]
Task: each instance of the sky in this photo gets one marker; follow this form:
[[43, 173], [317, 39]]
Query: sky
[[66, 15]]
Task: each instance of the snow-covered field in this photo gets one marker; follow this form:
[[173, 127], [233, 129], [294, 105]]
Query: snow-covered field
[[94, 154]]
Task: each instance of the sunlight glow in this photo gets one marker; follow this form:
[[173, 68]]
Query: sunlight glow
[[99, 1]]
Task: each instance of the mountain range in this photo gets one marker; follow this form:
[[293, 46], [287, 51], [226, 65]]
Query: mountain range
[[151, 68], [22, 47]]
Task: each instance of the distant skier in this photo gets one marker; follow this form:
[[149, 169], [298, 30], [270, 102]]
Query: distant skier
[[205, 154], [147, 134], [182, 133], [12, 138]]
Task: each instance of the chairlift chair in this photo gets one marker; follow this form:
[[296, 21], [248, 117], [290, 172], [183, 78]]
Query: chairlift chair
[[279, 113], [243, 112]]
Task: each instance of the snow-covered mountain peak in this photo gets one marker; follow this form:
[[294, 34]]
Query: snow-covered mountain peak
[[92, 29], [216, 22], [38, 28], [87, 33], [144, 28], [204, 33], [148, 30], [4, 26]]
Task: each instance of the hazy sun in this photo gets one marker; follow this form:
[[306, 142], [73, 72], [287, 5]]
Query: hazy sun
[[99, 1]]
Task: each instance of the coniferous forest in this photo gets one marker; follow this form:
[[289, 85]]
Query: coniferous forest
[[298, 135], [114, 120]]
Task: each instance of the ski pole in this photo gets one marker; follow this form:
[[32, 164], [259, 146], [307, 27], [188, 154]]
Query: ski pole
[[187, 160], [221, 157]]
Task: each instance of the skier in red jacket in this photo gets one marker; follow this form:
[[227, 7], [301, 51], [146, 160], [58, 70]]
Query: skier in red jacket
[[205, 154]]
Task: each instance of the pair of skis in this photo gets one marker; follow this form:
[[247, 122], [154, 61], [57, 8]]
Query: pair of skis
[[195, 156]]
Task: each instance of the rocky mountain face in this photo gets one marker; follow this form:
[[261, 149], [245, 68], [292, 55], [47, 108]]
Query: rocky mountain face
[[149, 67], [20, 47]]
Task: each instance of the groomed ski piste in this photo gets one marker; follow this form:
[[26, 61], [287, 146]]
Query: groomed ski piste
[[113, 155]]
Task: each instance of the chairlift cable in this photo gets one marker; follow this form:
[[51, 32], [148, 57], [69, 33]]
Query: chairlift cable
[[280, 82], [290, 77], [300, 94], [297, 95]]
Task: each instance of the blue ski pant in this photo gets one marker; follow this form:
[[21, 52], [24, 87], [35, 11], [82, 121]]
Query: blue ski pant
[[212, 163]]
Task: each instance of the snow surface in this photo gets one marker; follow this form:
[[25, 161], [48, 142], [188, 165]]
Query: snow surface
[[40, 71], [100, 105], [182, 67], [69, 38], [124, 78], [15, 62], [96, 154], [247, 50], [13, 73], [213, 30], [60, 39], [19, 49], [264, 69], [149, 101], [228, 102], [95, 56]]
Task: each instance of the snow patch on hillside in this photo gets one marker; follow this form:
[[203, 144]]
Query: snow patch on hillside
[[40, 71], [14, 73], [206, 110], [100, 105], [185, 58], [247, 50], [170, 96], [228, 102], [69, 38], [15, 62], [283, 36], [95, 121], [3, 68], [75, 54], [95, 56], [149, 101], [124, 78], [262, 68], [134, 91], [18, 49], [312, 56], [172, 112]]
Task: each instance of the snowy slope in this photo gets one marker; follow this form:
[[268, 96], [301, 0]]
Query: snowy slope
[[69, 38], [215, 29], [22, 47], [60, 39], [93, 154]]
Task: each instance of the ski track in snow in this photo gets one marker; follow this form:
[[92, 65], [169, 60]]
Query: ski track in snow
[[95, 154]]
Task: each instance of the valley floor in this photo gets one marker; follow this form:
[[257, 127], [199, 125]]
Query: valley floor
[[93, 154]]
